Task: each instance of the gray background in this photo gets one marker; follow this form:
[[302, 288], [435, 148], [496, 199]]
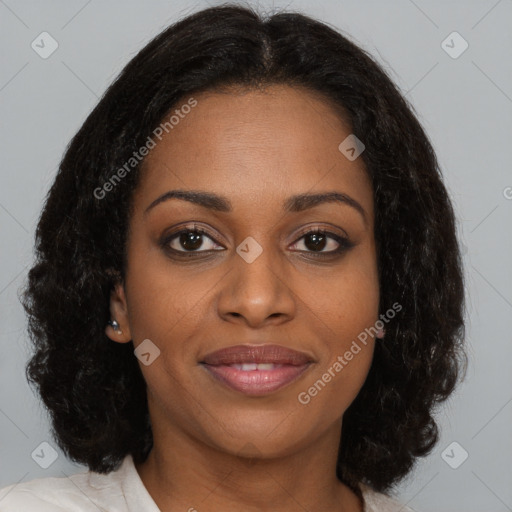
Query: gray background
[[465, 106]]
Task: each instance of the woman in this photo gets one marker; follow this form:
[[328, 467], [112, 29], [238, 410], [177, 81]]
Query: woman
[[248, 292]]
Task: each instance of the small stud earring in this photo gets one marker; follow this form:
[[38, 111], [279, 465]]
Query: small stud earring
[[380, 333], [115, 326]]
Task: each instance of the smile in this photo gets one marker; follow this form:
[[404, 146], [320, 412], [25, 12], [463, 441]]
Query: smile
[[256, 379]]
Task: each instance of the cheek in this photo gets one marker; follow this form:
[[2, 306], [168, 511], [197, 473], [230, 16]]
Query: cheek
[[348, 353], [348, 310], [335, 386], [347, 301], [160, 296]]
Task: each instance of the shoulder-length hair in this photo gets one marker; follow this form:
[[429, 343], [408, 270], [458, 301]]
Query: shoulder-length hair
[[93, 388]]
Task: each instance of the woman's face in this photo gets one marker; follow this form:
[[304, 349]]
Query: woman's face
[[256, 277]]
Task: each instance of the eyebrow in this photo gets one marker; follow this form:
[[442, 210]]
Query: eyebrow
[[296, 203]]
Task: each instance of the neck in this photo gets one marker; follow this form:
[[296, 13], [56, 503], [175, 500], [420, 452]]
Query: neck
[[183, 473]]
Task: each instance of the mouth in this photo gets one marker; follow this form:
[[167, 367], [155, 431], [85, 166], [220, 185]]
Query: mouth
[[256, 370]]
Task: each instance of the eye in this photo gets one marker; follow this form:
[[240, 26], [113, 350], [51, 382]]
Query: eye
[[194, 239], [316, 240], [190, 240]]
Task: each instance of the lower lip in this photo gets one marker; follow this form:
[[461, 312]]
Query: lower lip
[[256, 382]]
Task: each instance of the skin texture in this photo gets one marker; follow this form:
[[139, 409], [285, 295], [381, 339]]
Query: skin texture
[[215, 448]]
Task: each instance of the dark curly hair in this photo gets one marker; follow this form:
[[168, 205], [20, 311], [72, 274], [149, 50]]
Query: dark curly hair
[[94, 389]]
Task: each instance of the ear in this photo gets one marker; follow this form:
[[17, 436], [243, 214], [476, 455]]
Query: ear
[[119, 312]]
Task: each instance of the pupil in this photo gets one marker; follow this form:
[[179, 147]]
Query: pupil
[[191, 240], [318, 241]]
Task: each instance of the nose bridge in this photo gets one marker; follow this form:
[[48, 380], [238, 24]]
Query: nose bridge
[[256, 287], [257, 262]]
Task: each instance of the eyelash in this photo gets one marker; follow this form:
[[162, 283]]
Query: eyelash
[[344, 243]]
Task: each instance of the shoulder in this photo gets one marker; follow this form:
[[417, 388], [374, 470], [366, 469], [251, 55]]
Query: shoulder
[[81, 492], [377, 502], [44, 495]]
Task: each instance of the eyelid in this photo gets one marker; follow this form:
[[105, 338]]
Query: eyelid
[[328, 229]]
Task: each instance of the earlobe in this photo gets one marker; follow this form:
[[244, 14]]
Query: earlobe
[[115, 333], [381, 332]]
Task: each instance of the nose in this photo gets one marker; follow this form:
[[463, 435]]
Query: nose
[[257, 292]]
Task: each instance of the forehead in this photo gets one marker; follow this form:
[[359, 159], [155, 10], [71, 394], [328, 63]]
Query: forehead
[[253, 145]]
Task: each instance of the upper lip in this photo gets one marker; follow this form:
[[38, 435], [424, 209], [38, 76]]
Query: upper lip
[[242, 354]]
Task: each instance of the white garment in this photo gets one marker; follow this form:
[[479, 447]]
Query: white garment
[[118, 491]]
